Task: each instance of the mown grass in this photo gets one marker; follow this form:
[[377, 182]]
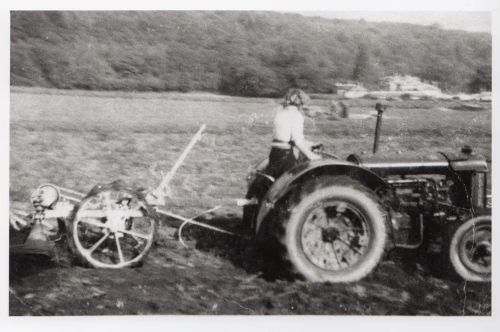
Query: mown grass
[[80, 140]]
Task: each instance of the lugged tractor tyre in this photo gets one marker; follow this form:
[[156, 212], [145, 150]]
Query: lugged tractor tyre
[[288, 245], [83, 258], [471, 235]]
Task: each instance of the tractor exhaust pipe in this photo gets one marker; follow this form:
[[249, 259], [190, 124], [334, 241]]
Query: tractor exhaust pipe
[[380, 110]]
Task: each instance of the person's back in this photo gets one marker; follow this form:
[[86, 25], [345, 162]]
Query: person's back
[[288, 133], [288, 124]]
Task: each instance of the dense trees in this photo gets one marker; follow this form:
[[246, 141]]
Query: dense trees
[[241, 53], [481, 80], [365, 70]]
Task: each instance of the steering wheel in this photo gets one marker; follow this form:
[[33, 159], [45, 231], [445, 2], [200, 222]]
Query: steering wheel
[[320, 149]]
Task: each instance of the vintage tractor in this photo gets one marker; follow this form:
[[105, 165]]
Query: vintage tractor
[[333, 220]]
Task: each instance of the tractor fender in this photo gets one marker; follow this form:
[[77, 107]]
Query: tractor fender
[[285, 183]]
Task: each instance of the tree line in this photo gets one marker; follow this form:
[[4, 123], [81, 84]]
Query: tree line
[[238, 53]]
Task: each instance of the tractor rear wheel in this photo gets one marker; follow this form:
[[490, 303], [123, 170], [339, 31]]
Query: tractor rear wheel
[[333, 230]]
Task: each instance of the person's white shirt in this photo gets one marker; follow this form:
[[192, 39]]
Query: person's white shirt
[[288, 125]]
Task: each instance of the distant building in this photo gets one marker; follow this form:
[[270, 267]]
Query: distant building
[[407, 83], [347, 89]]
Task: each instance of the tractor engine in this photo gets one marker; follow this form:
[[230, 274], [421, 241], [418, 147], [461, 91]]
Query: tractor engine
[[415, 200], [431, 193]]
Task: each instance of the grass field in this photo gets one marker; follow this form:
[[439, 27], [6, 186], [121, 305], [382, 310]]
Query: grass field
[[77, 140]]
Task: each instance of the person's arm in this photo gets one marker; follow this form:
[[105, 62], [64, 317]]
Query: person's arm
[[298, 139]]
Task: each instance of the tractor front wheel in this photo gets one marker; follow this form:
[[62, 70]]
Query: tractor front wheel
[[470, 249]]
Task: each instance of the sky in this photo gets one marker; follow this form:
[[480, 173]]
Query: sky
[[463, 20]]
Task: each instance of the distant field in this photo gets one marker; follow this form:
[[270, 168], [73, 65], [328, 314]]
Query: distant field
[[78, 139]]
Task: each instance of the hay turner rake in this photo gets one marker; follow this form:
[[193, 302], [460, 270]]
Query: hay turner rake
[[113, 226]]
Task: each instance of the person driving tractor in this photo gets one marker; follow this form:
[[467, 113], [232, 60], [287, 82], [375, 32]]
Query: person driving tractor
[[288, 133]]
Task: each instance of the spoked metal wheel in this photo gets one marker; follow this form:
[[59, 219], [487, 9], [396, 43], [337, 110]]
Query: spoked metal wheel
[[335, 235], [113, 229], [470, 249]]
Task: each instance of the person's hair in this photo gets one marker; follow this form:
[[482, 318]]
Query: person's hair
[[295, 97]]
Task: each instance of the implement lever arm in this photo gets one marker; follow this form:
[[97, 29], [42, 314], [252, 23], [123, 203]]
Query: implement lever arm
[[157, 195]]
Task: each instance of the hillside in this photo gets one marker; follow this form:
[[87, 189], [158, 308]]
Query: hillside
[[241, 53]]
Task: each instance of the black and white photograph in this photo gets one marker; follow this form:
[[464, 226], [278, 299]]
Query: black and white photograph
[[250, 162]]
